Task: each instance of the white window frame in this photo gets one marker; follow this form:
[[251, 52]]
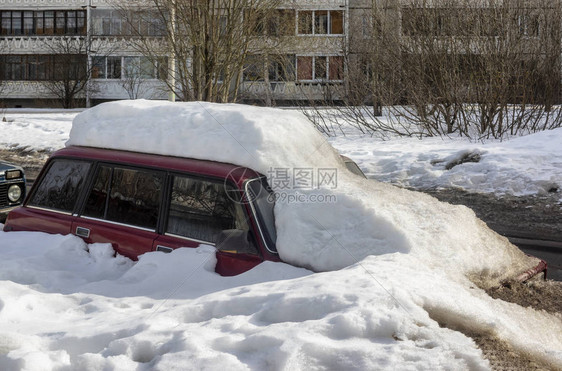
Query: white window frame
[[314, 79], [328, 31]]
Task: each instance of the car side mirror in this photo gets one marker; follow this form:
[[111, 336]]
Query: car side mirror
[[235, 241]]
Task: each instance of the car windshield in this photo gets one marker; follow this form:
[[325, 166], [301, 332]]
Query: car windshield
[[262, 204]]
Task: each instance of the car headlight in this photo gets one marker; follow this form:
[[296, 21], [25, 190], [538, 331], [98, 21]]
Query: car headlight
[[14, 193], [13, 174]]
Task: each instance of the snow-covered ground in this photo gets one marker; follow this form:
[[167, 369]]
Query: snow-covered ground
[[409, 264], [521, 166]]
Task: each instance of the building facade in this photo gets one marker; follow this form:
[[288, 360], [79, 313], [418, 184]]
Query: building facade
[[83, 52]]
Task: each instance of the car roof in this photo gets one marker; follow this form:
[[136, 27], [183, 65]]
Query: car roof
[[214, 169]]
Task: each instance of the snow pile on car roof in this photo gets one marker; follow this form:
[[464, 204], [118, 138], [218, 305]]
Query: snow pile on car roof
[[254, 137], [321, 225]]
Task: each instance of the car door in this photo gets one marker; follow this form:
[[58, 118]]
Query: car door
[[200, 211], [122, 208]]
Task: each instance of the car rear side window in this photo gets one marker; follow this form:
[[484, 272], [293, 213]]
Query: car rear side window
[[127, 196], [60, 187], [201, 209]]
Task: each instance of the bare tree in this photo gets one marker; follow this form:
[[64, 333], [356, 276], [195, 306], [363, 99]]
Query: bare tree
[[69, 71], [481, 69], [208, 42]]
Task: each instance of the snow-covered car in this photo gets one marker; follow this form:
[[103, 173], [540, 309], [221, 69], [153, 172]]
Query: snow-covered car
[[12, 185], [258, 184]]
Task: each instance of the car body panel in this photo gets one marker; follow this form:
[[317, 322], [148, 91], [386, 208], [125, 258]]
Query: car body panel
[[127, 240], [36, 219]]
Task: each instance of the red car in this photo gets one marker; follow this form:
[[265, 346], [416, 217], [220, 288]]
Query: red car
[[141, 202]]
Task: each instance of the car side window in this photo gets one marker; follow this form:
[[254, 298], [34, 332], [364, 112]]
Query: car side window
[[60, 187], [201, 209], [128, 196]]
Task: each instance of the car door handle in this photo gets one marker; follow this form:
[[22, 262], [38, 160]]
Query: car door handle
[[82, 232], [165, 249]]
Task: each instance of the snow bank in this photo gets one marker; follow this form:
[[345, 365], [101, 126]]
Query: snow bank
[[521, 166], [171, 311], [45, 130], [367, 218]]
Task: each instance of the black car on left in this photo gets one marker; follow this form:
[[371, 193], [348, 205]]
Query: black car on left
[[12, 185]]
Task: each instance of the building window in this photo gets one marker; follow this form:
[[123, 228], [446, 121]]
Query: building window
[[26, 67], [281, 68], [98, 67], [49, 23], [304, 68], [61, 22], [28, 23], [38, 67], [320, 22], [113, 68], [254, 68], [6, 23], [305, 22], [320, 68], [139, 67], [134, 23], [281, 23], [106, 67], [132, 67]]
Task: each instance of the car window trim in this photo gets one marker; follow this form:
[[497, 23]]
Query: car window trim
[[78, 203], [51, 210], [189, 239], [255, 214], [117, 223]]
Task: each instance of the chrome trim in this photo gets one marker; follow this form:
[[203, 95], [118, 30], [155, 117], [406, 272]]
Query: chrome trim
[[51, 210], [117, 223], [252, 207], [82, 232], [189, 239]]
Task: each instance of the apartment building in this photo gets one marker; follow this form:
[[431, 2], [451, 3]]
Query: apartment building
[[83, 52], [73, 52]]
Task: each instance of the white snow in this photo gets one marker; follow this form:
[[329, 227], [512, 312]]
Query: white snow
[[408, 262], [45, 130], [521, 166]]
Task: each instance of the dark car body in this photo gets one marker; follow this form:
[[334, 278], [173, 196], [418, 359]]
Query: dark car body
[[142, 202], [12, 184]]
